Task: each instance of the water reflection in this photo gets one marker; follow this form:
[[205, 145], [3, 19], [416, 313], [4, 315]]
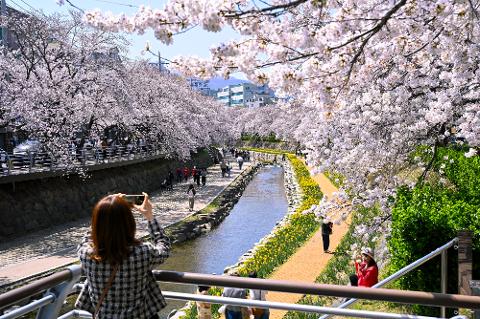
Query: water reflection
[[262, 204]]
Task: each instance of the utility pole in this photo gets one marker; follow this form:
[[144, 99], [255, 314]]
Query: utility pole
[[3, 13], [159, 62]]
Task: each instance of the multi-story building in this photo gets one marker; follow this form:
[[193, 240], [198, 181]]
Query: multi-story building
[[245, 94], [223, 95], [201, 86]]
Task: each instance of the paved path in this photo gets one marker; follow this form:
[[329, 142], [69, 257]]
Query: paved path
[[310, 256], [55, 247]]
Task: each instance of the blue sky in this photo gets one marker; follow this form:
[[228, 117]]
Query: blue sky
[[195, 42]]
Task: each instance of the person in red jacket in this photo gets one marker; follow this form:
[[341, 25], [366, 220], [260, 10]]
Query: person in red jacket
[[186, 173], [366, 272]]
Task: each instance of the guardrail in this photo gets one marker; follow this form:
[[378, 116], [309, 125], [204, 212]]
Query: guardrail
[[443, 273], [56, 287], [32, 161]]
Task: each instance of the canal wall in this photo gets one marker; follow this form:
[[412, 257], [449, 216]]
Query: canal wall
[[44, 202], [294, 197], [283, 146], [213, 214]]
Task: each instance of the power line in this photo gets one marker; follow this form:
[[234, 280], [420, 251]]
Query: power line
[[18, 6], [74, 6], [119, 3], [34, 9]]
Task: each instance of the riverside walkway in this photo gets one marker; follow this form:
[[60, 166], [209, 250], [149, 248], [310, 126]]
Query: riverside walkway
[[35, 253], [310, 256]]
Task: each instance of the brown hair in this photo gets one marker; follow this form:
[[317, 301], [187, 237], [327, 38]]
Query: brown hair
[[113, 229]]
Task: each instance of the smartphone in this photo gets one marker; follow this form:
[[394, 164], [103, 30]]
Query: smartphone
[[135, 199]]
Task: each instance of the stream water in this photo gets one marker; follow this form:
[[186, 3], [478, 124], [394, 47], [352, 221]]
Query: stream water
[[262, 204]]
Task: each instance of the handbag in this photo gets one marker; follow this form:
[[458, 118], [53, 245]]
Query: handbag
[[105, 290], [258, 312]]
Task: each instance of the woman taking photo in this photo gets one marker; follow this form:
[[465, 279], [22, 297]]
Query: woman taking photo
[[366, 272], [118, 267]]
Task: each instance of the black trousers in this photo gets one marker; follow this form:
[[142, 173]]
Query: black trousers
[[155, 316], [354, 280], [326, 242]]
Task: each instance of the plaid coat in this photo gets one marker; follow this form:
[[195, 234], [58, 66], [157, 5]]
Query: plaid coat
[[134, 292]]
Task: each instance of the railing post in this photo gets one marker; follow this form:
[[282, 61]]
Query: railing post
[[464, 262], [61, 292], [443, 281], [475, 286]]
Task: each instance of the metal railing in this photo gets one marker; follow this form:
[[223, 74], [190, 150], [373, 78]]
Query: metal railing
[[443, 275], [39, 161], [55, 288]]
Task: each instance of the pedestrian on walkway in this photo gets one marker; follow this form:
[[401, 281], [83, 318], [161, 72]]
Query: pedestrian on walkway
[[234, 312], [204, 176], [191, 192], [204, 309], [196, 175], [366, 272], [186, 173], [170, 179], [327, 227], [229, 170], [258, 294], [240, 162], [179, 174], [118, 267], [223, 167]]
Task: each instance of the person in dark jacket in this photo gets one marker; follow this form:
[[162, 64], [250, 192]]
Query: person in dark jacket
[[327, 227]]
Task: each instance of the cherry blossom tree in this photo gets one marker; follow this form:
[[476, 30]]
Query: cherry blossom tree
[[370, 80], [68, 83]]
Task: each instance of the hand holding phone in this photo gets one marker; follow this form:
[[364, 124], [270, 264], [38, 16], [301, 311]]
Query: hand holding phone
[[135, 199], [145, 207]]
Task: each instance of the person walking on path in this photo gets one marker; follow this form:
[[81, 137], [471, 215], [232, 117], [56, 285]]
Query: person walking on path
[[118, 267], [196, 175], [186, 173], [179, 174], [191, 192], [240, 162], [366, 272], [223, 167], [170, 179], [204, 309], [327, 227], [204, 176], [234, 312], [258, 294]]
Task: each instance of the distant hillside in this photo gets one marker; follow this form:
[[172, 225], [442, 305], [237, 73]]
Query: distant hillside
[[218, 83]]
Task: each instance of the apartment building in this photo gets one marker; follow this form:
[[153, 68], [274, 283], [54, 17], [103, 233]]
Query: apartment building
[[245, 94]]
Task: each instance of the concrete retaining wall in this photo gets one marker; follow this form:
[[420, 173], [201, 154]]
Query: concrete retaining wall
[[36, 204]]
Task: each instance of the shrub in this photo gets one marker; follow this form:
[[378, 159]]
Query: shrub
[[430, 215]]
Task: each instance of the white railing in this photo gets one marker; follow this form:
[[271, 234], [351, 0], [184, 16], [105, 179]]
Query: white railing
[[57, 287]]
